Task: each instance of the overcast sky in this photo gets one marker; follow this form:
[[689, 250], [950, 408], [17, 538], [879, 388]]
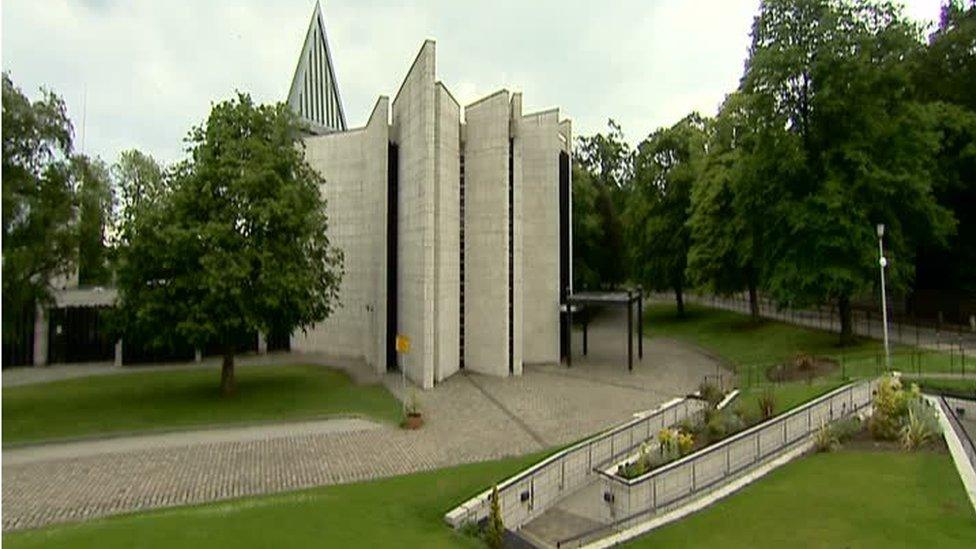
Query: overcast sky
[[140, 73]]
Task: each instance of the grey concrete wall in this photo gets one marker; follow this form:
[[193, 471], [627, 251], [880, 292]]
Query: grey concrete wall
[[413, 129], [354, 166], [375, 146], [486, 235], [540, 145], [447, 214]]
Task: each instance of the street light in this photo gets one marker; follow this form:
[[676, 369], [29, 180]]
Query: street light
[[883, 262]]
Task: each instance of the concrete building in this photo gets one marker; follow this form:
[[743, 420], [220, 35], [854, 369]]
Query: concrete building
[[454, 222]]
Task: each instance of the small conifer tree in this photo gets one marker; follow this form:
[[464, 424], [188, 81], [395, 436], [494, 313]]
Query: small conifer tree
[[496, 528]]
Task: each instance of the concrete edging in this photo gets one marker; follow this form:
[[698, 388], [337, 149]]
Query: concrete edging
[[965, 468]]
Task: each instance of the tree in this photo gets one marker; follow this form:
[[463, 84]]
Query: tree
[[728, 208], [38, 235], [945, 75], [237, 241], [666, 166], [602, 173], [831, 88], [140, 183], [96, 202], [495, 532]]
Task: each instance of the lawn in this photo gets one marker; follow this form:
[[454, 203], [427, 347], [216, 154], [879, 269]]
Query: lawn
[[843, 499], [161, 400], [787, 395], [960, 387], [404, 511], [751, 347]]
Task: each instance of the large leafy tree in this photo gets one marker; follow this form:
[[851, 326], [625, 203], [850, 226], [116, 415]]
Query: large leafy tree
[[139, 182], [666, 166], [236, 242], [728, 208], [38, 206], [945, 75], [96, 205], [601, 178], [830, 86]]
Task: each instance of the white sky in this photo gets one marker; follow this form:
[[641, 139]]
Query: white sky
[[144, 71]]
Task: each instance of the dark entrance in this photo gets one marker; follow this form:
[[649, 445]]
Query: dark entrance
[[392, 199], [79, 334], [18, 342], [565, 251]]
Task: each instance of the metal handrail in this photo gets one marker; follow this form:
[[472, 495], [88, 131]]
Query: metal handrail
[[785, 416]]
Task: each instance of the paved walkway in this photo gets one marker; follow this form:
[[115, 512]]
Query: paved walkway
[[469, 418]]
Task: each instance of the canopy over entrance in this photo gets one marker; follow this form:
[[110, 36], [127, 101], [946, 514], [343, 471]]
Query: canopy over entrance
[[629, 299]]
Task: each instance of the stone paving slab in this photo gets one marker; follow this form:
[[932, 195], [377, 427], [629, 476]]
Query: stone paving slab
[[162, 441]]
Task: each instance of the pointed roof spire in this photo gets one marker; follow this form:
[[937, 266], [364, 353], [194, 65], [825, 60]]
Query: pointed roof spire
[[314, 94]]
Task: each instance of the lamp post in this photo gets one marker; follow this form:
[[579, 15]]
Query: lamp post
[[882, 263]]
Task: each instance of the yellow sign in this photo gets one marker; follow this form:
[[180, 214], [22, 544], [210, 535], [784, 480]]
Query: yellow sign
[[402, 344]]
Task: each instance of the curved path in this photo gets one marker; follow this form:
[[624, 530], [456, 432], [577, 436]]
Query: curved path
[[469, 418]]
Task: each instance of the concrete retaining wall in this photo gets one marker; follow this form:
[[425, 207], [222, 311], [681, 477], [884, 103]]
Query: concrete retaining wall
[[532, 492], [640, 499]]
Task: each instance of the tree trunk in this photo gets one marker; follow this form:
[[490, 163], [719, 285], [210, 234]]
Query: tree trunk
[[679, 299], [753, 301], [846, 320], [227, 384]]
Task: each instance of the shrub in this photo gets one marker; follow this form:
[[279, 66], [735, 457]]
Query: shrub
[[686, 441], [722, 424], [767, 404], [921, 426], [495, 532], [803, 362], [891, 404], [826, 439], [711, 393], [845, 429]]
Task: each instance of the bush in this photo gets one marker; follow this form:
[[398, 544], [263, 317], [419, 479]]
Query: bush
[[723, 423], [826, 439], [767, 404], [921, 426], [686, 441], [710, 393], [891, 404], [845, 429]]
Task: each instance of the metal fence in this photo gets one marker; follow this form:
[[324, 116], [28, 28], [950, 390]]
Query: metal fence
[[629, 502], [533, 491]]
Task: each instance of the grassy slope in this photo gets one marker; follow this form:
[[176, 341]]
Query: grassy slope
[[748, 345], [177, 399], [845, 499], [404, 511], [788, 395]]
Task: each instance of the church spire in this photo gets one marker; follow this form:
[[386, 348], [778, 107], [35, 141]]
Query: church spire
[[314, 94]]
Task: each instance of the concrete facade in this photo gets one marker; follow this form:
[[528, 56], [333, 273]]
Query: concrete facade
[[510, 298]]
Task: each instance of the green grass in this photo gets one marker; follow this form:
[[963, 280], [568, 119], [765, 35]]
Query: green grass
[[843, 499], [787, 395], [405, 511], [962, 387], [159, 400], [751, 347]]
